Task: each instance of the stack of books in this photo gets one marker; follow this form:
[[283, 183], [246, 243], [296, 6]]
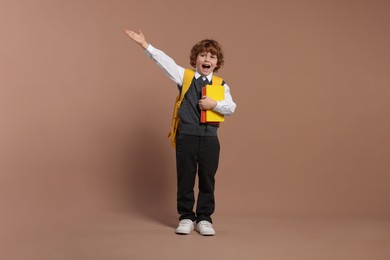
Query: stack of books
[[217, 93]]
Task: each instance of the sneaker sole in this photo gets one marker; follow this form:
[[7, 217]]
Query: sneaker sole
[[206, 234], [183, 233]]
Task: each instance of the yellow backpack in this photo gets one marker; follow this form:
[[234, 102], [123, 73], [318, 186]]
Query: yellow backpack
[[188, 76]]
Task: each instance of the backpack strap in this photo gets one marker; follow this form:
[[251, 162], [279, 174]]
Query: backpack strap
[[217, 80], [188, 76]]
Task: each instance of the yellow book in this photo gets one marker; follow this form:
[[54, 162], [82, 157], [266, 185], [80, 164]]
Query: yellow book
[[217, 93]]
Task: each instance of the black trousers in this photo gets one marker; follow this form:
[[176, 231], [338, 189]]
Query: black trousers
[[196, 154]]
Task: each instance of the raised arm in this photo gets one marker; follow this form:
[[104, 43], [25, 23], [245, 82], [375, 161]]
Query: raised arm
[[169, 66], [138, 38]]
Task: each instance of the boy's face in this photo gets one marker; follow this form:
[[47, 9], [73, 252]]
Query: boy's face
[[206, 63]]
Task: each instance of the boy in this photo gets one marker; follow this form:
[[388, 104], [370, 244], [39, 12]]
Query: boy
[[197, 144]]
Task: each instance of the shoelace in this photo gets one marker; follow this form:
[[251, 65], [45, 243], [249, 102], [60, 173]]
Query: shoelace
[[185, 223], [206, 224]]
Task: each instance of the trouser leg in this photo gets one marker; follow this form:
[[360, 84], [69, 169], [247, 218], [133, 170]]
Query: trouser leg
[[186, 165], [208, 164]]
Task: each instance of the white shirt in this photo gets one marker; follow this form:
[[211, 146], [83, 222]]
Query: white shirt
[[176, 73]]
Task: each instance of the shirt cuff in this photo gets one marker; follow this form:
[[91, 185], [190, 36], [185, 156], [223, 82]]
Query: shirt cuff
[[217, 108], [150, 48]]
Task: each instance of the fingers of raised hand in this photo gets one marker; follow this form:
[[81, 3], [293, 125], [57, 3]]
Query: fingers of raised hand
[[131, 34]]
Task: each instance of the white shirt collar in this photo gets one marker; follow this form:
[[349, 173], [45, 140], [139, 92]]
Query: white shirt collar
[[209, 77]]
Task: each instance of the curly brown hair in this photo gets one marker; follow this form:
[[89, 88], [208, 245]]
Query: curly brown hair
[[207, 45]]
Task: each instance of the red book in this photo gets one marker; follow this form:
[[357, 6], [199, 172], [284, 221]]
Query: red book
[[203, 112]]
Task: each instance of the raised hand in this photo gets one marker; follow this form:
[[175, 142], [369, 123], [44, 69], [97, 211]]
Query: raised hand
[[138, 38]]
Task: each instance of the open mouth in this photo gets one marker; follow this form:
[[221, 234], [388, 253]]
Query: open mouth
[[205, 66]]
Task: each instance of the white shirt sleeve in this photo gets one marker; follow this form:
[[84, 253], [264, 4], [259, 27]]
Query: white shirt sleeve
[[169, 66], [226, 106]]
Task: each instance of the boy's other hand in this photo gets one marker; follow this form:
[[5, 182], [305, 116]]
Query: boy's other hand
[[207, 103], [138, 38]]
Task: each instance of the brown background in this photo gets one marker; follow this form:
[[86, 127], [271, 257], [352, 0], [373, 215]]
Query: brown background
[[85, 114]]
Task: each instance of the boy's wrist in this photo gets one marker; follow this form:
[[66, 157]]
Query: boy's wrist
[[214, 104], [145, 45]]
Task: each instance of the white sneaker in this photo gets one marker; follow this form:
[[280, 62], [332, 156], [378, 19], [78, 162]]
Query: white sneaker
[[205, 228], [185, 227]]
